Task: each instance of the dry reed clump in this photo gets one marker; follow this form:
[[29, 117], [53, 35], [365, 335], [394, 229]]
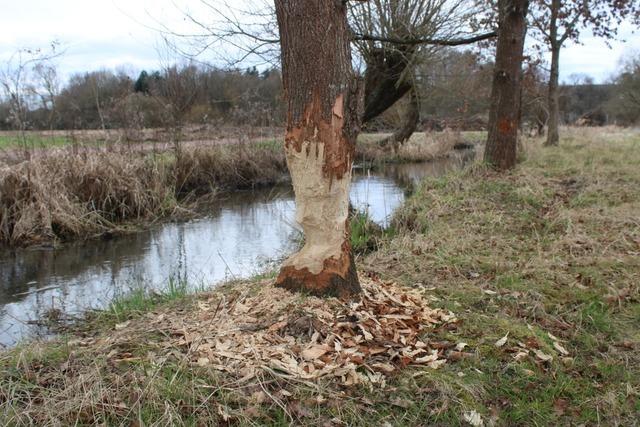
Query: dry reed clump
[[65, 194], [224, 167], [419, 148]]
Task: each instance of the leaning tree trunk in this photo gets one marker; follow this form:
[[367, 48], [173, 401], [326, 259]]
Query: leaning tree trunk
[[504, 113], [322, 126], [411, 120], [553, 135]]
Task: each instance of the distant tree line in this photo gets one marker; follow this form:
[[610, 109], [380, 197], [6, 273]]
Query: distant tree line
[[177, 95], [454, 89]]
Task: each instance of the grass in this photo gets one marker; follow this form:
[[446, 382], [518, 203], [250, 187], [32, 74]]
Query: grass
[[552, 247], [420, 147], [69, 194], [33, 141], [547, 254]]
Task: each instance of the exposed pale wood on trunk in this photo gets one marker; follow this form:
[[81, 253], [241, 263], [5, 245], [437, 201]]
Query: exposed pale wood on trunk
[[322, 126]]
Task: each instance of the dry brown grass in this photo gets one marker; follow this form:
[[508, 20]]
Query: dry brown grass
[[420, 147], [243, 166], [66, 194]]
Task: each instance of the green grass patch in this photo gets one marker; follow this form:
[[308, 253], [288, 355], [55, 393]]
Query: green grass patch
[[31, 141]]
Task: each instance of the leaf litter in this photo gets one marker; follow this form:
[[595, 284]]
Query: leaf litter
[[303, 337]]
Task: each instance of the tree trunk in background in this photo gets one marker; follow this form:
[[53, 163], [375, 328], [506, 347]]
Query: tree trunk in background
[[320, 91], [504, 113], [384, 84], [553, 134], [411, 120]]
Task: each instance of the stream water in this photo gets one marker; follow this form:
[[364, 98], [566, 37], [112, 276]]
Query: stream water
[[241, 235]]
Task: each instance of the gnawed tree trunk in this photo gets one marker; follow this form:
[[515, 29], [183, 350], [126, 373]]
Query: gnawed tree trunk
[[411, 120], [322, 125], [504, 113]]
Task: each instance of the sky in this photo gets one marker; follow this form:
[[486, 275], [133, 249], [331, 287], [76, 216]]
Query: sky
[[97, 34]]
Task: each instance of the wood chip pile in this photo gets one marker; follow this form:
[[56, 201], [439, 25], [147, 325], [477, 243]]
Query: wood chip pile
[[307, 338]]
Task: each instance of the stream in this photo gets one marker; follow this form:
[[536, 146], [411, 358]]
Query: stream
[[243, 234]]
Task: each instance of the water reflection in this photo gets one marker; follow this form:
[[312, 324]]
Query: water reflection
[[239, 235]]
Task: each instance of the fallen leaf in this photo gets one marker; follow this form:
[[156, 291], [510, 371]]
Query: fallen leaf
[[473, 418], [560, 348], [460, 346], [502, 341], [122, 325], [560, 406], [542, 356], [553, 337], [314, 352], [521, 355]]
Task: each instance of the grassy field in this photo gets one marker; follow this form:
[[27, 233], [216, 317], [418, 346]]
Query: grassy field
[[32, 141], [541, 267]]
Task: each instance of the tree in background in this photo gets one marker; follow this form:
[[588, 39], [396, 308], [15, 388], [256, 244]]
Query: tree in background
[[393, 38], [390, 37], [455, 88], [504, 113], [25, 80], [534, 98], [625, 103], [320, 91], [556, 21]]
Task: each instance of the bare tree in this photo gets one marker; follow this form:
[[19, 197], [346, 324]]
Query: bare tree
[[504, 114], [19, 85], [557, 21], [394, 37], [625, 102], [390, 37], [47, 88], [320, 92]]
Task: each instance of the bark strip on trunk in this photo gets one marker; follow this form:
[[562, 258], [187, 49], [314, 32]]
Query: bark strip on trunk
[[322, 126], [504, 113]]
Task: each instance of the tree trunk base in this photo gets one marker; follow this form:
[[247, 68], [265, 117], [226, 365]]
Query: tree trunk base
[[338, 278]]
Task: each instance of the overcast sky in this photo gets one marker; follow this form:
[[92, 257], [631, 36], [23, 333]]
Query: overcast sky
[[116, 33]]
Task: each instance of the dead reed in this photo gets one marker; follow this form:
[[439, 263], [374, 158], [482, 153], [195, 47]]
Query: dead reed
[[67, 194]]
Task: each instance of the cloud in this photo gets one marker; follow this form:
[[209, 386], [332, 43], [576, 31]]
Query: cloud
[[111, 33]]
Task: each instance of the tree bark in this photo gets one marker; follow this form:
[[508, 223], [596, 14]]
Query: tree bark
[[504, 113], [384, 82], [320, 91], [411, 120], [553, 134]]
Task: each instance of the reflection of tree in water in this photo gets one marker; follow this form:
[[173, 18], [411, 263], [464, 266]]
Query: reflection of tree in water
[[21, 270]]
